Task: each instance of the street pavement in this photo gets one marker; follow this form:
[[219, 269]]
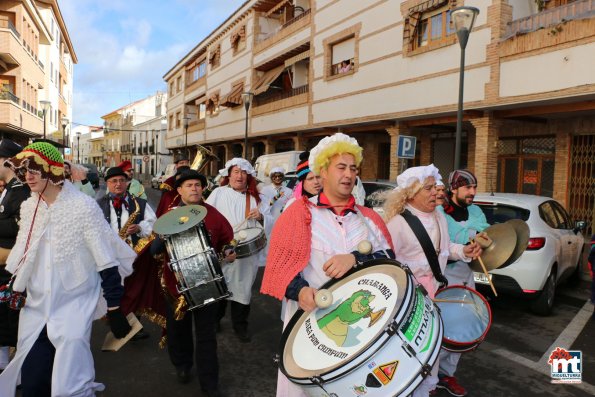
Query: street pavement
[[511, 362]]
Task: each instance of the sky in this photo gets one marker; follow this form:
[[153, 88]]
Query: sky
[[124, 47]]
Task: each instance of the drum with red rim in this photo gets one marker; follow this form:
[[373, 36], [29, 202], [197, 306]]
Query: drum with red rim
[[466, 315]]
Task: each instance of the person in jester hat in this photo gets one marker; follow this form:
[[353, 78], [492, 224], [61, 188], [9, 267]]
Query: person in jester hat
[[64, 256]]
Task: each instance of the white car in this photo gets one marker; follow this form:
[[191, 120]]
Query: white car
[[553, 253]]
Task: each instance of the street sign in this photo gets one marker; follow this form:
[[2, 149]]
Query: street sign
[[139, 161], [146, 159], [406, 147]]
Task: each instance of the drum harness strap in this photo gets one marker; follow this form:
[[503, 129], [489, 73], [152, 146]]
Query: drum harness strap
[[426, 244], [247, 204]]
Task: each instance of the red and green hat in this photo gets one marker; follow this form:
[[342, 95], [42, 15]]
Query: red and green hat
[[40, 158]]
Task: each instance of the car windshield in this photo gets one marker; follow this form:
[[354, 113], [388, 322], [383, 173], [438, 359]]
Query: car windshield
[[500, 213]]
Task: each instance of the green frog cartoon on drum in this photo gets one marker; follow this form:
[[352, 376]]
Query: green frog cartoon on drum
[[315, 240]]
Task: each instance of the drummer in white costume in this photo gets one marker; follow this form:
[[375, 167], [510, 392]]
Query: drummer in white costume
[[230, 200], [316, 239], [64, 256], [416, 195]]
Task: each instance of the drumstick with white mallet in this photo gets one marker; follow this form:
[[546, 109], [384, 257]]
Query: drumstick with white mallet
[[487, 243], [324, 298]]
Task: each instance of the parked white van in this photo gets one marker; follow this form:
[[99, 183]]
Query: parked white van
[[287, 160]]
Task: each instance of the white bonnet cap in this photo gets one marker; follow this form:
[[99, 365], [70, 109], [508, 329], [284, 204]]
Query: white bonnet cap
[[418, 174], [243, 164]]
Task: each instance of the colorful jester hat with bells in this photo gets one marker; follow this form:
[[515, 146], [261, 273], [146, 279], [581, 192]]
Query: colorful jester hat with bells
[[41, 158]]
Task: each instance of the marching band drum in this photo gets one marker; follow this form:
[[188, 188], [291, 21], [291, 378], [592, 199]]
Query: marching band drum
[[250, 241], [381, 333], [192, 259]]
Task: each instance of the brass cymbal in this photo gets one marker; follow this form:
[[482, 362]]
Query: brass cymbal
[[503, 238], [522, 239], [180, 219]]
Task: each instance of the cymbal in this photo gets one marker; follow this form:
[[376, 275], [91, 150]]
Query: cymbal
[[503, 243], [522, 239], [180, 219]]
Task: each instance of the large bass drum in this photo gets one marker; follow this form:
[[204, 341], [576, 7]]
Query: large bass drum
[[380, 337]]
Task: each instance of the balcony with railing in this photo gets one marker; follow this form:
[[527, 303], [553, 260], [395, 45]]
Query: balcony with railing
[[9, 96], [16, 112], [276, 100], [569, 23], [267, 39], [7, 24], [580, 9]]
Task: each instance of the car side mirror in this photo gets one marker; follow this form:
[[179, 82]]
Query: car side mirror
[[579, 226]]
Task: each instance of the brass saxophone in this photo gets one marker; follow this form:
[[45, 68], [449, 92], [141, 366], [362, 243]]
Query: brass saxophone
[[131, 219]]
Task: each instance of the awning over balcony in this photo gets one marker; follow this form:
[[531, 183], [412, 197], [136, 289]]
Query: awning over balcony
[[276, 8], [212, 101], [263, 83], [234, 97], [297, 58]]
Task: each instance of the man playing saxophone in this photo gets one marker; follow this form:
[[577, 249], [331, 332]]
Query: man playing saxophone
[[133, 219]]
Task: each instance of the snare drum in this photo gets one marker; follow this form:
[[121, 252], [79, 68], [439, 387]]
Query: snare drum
[[255, 241], [196, 267], [467, 318], [380, 337]]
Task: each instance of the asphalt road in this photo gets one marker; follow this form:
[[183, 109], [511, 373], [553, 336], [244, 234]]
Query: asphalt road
[[511, 362]]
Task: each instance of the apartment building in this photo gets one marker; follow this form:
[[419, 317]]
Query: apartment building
[[150, 156], [96, 147], [82, 145], [121, 129], [381, 69], [36, 69]]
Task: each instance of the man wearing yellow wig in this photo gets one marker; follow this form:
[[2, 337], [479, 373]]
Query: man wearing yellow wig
[[316, 239]]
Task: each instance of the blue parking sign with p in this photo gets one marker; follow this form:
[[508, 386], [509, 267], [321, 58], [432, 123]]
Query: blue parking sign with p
[[406, 147]]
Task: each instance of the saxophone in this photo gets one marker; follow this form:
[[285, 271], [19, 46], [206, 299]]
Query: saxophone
[[131, 219]]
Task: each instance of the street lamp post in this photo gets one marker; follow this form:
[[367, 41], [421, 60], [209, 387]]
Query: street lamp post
[[78, 146], [247, 98], [186, 121], [45, 106], [463, 19], [64, 125]]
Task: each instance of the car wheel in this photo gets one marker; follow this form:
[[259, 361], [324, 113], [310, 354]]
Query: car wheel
[[545, 301]]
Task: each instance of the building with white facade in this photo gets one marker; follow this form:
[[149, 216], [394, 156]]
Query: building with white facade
[[381, 69], [36, 67]]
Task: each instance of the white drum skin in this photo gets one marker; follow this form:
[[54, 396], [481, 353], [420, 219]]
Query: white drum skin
[[391, 363]]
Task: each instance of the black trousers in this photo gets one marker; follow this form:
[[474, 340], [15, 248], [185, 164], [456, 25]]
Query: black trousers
[[239, 315], [182, 347], [36, 372]]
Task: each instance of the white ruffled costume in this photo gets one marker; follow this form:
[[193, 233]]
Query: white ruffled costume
[[277, 198], [241, 273], [69, 245], [409, 252]]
